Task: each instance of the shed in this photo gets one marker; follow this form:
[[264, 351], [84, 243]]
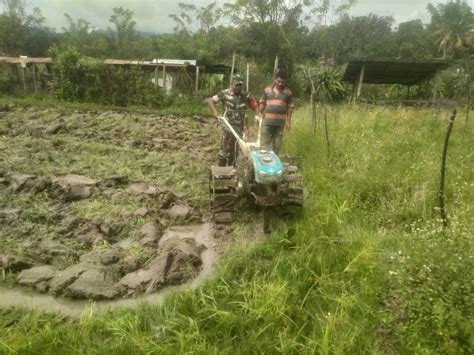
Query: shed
[[172, 65], [27, 60], [390, 71], [160, 67], [20, 64]]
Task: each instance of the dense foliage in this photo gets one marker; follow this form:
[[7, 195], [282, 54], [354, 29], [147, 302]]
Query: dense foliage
[[317, 36], [259, 30], [84, 79]]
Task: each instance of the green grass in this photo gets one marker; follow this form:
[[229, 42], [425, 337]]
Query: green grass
[[366, 268]]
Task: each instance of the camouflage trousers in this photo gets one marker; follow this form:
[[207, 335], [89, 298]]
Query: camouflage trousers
[[272, 137], [229, 146]]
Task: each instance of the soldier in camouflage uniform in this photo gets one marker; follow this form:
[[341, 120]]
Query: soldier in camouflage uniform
[[235, 102]]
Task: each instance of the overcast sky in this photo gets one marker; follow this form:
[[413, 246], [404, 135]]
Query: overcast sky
[[152, 16]]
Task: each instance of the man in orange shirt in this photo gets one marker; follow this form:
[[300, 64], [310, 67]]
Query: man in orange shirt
[[277, 103]]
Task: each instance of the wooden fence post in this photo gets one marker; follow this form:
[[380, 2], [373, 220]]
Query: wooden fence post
[[164, 78], [34, 77], [232, 69], [442, 210], [197, 78], [360, 81]]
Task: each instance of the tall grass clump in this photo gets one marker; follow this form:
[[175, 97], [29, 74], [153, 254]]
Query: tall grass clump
[[382, 177], [365, 268]]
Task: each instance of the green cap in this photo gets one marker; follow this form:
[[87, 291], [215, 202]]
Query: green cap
[[237, 79]]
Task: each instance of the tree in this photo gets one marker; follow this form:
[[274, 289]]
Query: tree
[[23, 33], [361, 36], [15, 8], [38, 37], [332, 11], [184, 19], [85, 38], [209, 17], [198, 35], [124, 31], [452, 25], [269, 28], [13, 27], [193, 19], [244, 12], [414, 41], [77, 33]]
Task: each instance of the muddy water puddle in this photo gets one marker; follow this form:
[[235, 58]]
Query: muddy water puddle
[[201, 233]]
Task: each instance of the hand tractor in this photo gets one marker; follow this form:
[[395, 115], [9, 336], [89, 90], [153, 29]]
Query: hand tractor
[[259, 175]]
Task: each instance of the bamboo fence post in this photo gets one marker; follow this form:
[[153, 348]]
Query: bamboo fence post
[[442, 209], [326, 129], [248, 76], [313, 105]]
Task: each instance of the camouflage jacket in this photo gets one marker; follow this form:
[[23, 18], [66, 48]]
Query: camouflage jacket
[[234, 104]]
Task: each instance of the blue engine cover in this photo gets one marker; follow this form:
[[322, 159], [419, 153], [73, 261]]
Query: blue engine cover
[[267, 167]]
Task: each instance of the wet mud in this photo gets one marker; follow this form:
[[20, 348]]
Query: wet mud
[[202, 234], [103, 207]]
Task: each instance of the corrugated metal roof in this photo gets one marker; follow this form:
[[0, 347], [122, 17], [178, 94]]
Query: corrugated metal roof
[[35, 60], [217, 69], [127, 62], [393, 71], [171, 64], [175, 61]]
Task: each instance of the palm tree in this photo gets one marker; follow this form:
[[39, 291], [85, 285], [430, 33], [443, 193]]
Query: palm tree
[[452, 24]]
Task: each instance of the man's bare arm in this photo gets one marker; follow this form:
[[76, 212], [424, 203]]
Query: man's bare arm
[[288, 118]]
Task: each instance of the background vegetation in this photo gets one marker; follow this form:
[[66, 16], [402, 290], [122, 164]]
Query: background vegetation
[[310, 33]]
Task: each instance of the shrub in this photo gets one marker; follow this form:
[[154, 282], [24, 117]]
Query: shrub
[[327, 81], [85, 79], [7, 79]]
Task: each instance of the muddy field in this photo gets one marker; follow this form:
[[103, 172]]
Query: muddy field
[[88, 201]]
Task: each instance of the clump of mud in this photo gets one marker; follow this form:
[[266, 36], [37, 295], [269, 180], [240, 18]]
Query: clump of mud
[[107, 273], [95, 265]]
